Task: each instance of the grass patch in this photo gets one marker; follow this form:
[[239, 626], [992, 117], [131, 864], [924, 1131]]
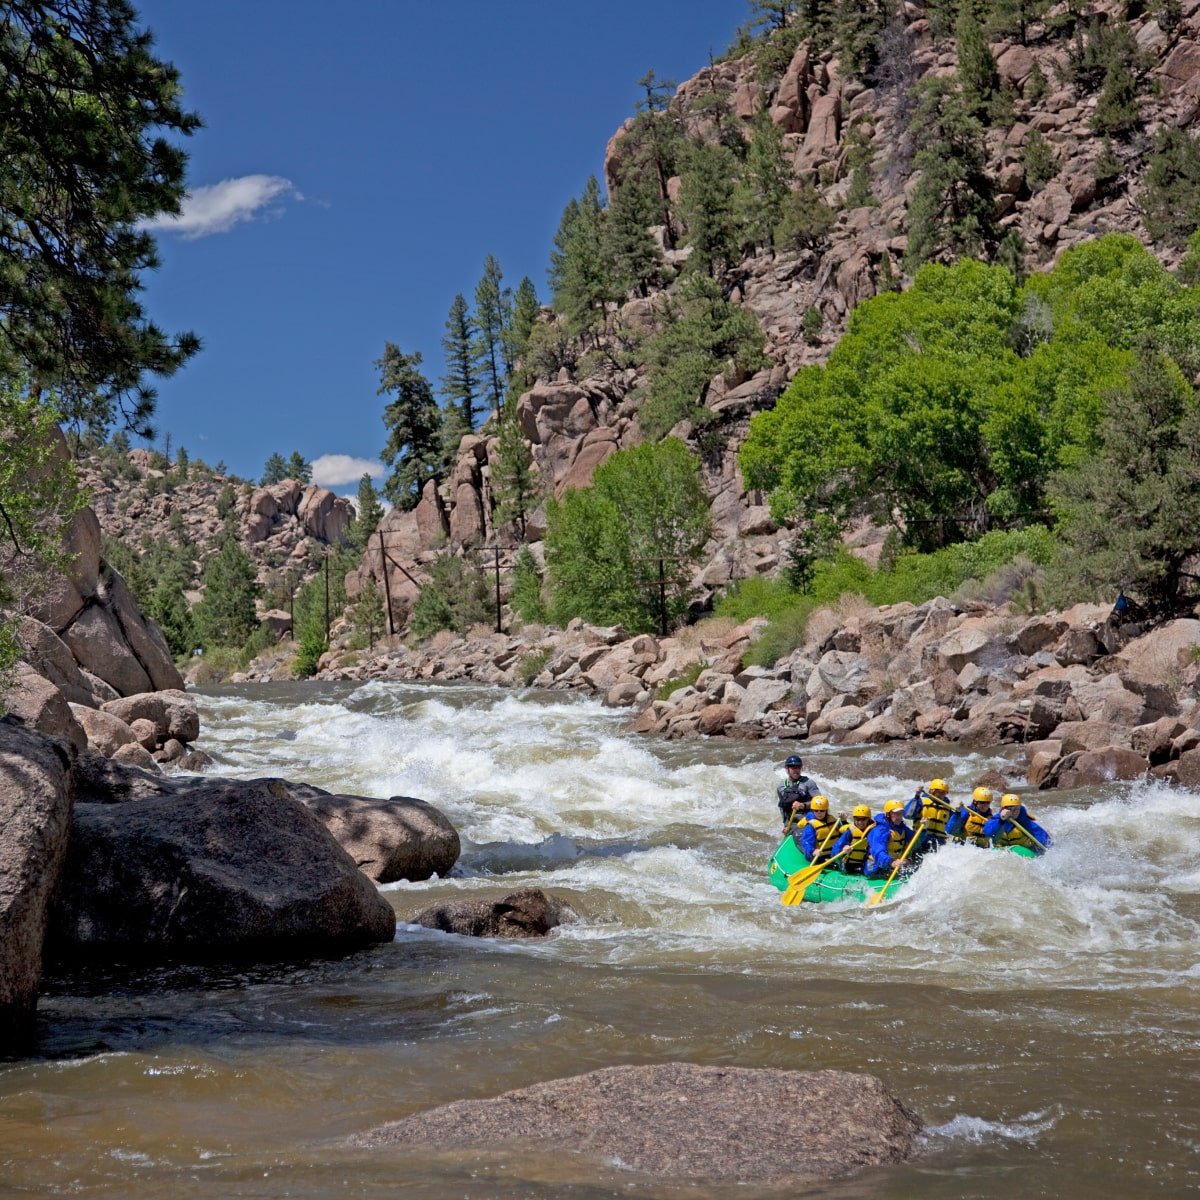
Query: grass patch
[[531, 664], [685, 678]]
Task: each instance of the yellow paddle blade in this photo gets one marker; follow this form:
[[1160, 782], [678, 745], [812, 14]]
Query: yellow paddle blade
[[798, 883]]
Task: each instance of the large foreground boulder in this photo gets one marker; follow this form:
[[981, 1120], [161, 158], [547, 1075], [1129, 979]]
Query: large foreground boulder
[[525, 913], [35, 817], [680, 1121], [225, 870], [397, 838]]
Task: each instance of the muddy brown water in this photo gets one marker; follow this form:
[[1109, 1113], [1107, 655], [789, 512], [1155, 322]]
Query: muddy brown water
[[1042, 1018]]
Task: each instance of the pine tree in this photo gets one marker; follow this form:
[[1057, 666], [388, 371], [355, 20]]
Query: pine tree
[[979, 80], [633, 260], [225, 615], [275, 470], [368, 614], [525, 311], [460, 383], [858, 32], [577, 275], [706, 201], [369, 513], [764, 184], [953, 207], [90, 119], [298, 467], [514, 482], [493, 314], [655, 138], [413, 422], [1015, 16]]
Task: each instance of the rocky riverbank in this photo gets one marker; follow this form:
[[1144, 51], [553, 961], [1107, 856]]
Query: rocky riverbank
[[1089, 699]]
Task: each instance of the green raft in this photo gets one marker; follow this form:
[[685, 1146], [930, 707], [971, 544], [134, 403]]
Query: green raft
[[832, 884]]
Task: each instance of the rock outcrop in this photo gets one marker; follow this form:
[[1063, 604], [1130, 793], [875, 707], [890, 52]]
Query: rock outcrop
[[225, 870], [525, 913], [722, 1125], [36, 795]]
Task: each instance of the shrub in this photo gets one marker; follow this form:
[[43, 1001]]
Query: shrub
[[312, 646], [685, 678], [531, 664]]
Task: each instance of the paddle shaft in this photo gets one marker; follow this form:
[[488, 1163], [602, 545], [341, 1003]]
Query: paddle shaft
[[877, 898], [799, 883]]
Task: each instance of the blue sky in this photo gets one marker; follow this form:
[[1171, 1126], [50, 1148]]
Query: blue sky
[[358, 162]]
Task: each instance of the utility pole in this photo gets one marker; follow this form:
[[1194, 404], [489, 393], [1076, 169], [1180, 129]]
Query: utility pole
[[326, 596], [496, 547], [387, 586]]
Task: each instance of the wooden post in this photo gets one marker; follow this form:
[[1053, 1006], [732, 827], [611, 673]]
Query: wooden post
[[387, 586], [497, 549]]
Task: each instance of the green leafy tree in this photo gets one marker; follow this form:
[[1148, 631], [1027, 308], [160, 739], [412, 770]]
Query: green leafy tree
[[1130, 514], [460, 384], [616, 549], [953, 206], [413, 422], [493, 315], [706, 202], [89, 116], [514, 481], [704, 336], [526, 599], [274, 471], [369, 512], [298, 467], [225, 615]]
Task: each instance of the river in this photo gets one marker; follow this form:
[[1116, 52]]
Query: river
[[1042, 1017]]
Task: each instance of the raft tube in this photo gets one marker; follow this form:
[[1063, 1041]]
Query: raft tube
[[833, 884]]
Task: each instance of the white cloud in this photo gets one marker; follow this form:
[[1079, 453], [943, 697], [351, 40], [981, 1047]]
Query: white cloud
[[218, 207], [332, 470]]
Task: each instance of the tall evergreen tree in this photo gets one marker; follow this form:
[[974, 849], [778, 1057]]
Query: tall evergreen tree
[[514, 481], [460, 384], [706, 200], [979, 80], [656, 138], [368, 515], [413, 422], [953, 207], [298, 467], [524, 315], [581, 288], [275, 470], [858, 32], [89, 117], [1015, 16], [633, 260], [764, 184], [225, 615], [493, 314]]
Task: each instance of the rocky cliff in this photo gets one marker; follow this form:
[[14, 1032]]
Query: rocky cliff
[[828, 120]]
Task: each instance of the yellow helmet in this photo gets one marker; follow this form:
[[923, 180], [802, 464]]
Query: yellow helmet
[[861, 810], [893, 806], [937, 787], [982, 795], [819, 804], [1009, 800]]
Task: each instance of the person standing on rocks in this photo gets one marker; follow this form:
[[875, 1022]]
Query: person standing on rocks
[[931, 805], [796, 793], [853, 840], [887, 841], [1015, 826], [966, 824]]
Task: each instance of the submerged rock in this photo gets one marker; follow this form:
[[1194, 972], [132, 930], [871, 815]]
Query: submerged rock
[[525, 913], [682, 1121]]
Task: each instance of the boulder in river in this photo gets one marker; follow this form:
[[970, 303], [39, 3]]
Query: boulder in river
[[681, 1121], [227, 869], [525, 913], [35, 817]]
